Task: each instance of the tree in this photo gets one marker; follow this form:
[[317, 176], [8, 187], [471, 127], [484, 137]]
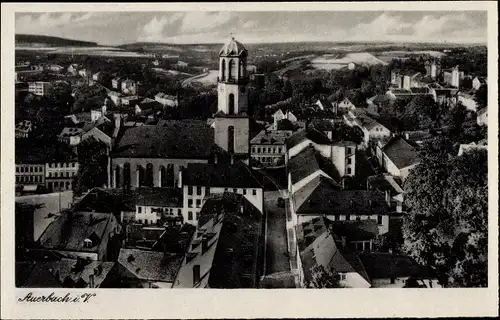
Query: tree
[[93, 165], [322, 278], [481, 97], [446, 223]]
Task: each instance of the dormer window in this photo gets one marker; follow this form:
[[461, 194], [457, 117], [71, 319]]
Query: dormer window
[[87, 243]]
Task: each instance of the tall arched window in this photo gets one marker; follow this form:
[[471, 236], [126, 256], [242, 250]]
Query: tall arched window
[[230, 70], [242, 69], [140, 170], [126, 175], [169, 176], [148, 180], [117, 176], [223, 70], [230, 109], [230, 139]]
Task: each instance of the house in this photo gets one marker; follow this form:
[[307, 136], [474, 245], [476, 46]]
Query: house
[[97, 113], [115, 97], [154, 155], [84, 73], [269, 147], [149, 107], [129, 87], [70, 135], [81, 234], [316, 247], [30, 163], [481, 145], [251, 68], [73, 69], [199, 180], [23, 129], [446, 96], [482, 117], [346, 105], [324, 104], [103, 130], [153, 205], [372, 129], [391, 186], [342, 154], [60, 171], [139, 268], [40, 88], [98, 76], [477, 82], [116, 83], [229, 226], [376, 103], [182, 64], [130, 100], [452, 77], [433, 68], [167, 100], [397, 156], [388, 270], [396, 78], [278, 115], [55, 68], [467, 100]]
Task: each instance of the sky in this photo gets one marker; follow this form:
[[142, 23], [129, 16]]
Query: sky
[[115, 28]]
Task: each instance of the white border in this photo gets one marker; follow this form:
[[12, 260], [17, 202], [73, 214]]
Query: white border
[[288, 303]]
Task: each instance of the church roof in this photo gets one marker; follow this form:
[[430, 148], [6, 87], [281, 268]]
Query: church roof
[[232, 48]]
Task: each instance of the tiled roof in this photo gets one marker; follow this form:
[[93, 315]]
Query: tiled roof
[[237, 175], [309, 134], [385, 182], [401, 153], [387, 265], [367, 122], [161, 197], [70, 230], [67, 268], [41, 152], [174, 141], [150, 265], [271, 137], [36, 274], [355, 230], [70, 131], [309, 161], [325, 198]]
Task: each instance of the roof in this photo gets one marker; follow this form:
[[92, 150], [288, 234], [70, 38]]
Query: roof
[[35, 274], [417, 90], [176, 140], [401, 153], [380, 98], [69, 231], [323, 197], [385, 182], [322, 124], [388, 265], [355, 230], [71, 269], [162, 95], [237, 175], [482, 111], [232, 48], [161, 197], [70, 132], [367, 122], [325, 103], [317, 247], [307, 134], [271, 137], [286, 125], [40, 152], [150, 265], [307, 162]]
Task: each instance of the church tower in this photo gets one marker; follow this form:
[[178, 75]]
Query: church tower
[[231, 119]]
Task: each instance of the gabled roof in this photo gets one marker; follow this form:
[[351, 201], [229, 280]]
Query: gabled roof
[[401, 153], [367, 122], [388, 265], [237, 175], [307, 134], [271, 137], [307, 162], [68, 268], [69, 231], [150, 265], [175, 140]]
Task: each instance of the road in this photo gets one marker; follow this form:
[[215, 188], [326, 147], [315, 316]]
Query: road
[[276, 245]]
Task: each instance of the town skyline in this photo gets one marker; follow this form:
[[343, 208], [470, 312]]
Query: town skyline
[[204, 27]]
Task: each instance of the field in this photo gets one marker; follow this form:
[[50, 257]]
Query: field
[[90, 51], [333, 62], [387, 56]]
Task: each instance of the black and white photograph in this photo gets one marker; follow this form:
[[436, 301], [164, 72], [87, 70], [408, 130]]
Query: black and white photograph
[[212, 149]]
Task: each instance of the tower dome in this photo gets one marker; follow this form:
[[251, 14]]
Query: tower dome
[[233, 48]]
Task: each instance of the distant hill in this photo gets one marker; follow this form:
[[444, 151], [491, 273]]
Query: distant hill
[[29, 40]]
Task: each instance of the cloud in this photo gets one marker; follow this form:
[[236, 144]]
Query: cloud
[[46, 22], [196, 21], [431, 28]]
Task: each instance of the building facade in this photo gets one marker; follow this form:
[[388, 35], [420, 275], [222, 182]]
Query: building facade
[[40, 88]]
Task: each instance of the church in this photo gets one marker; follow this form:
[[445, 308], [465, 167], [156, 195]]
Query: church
[[155, 155]]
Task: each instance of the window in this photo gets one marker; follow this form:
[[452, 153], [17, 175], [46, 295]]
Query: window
[[254, 192], [349, 171], [31, 169], [226, 189], [393, 281], [253, 149], [230, 139], [379, 219], [190, 190], [190, 204], [87, 243], [349, 161], [197, 216], [279, 150], [198, 203], [179, 212], [359, 246], [73, 165], [235, 190], [342, 277], [196, 274], [348, 217], [17, 169], [244, 191], [50, 174], [258, 150], [349, 150], [56, 174], [242, 89], [207, 191], [139, 209], [198, 191], [358, 218], [190, 215]]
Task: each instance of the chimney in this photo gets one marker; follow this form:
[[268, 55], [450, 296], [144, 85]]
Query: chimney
[[232, 159], [390, 250], [91, 281], [215, 158], [343, 241], [179, 185]]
